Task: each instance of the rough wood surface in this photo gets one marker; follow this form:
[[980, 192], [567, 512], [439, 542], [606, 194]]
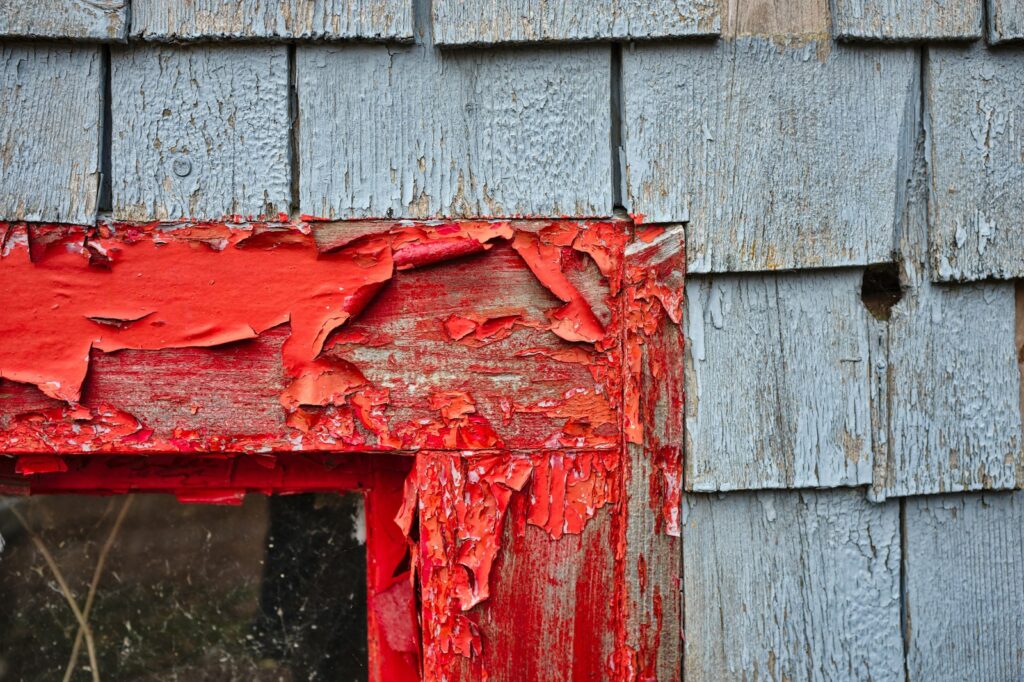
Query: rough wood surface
[[784, 20], [200, 132], [964, 572], [80, 19], [976, 117], [1005, 21], [413, 132], [330, 19], [50, 104], [949, 379], [777, 382], [778, 157], [791, 586], [902, 20], [462, 22]]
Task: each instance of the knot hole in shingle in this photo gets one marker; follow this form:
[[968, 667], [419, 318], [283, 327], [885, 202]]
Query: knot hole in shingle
[[880, 289]]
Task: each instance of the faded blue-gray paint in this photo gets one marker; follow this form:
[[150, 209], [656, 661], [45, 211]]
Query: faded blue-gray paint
[[166, 20], [467, 22], [77, 19], [906, 20], [975, 104], [50, 108], [777, 381], [200, 131], [964, 576], [414, 132], [779, 157], [797, 585]]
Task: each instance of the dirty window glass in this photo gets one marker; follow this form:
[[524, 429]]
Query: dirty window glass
[[274, 589]]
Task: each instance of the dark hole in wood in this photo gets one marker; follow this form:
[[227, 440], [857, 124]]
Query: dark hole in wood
[[880, 289]]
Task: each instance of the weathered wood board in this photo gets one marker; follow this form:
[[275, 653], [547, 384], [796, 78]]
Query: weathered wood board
[[964, 571], [905, 20], [1005, 21], [200, 132], [79, 19], [740, 139], [777, 382], [976, 108], [948, 382], [791, 585], [474, 22], [418, 133], [50, 108], [169, 20], [784, 20]]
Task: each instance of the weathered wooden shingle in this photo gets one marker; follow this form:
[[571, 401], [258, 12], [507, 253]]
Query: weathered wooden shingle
[[949, 381], [964, 577], [778, 157], [462, 22], [791, 585], [414, 132], [80, 19], [976, 116], [783, 20], [50, 104], [1005, 20], [328, 19], [200, 131], [902, 20], [777, 382]]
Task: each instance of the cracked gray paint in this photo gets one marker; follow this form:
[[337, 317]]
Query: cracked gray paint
[[779, 157], [200, 131], [50, 104], [904, 20], [791, 585], [79, 19], [777, 381], [414, 132]]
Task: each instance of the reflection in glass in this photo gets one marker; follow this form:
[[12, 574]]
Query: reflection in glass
[[274, 589]]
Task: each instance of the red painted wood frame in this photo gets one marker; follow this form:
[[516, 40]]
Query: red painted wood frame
[[526, 371]]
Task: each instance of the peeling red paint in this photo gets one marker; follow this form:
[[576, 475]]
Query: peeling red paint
[[523, 409]]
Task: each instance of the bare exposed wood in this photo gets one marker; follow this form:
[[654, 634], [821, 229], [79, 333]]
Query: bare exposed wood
[[964, 572], [330, 19], [79, 19], [784, 20], [200, 132], [902, 20], [413, 132], [1005, 21], [777, 389], [779, 157], [975, 110], [50, 104], [792, 586], [462, 22]]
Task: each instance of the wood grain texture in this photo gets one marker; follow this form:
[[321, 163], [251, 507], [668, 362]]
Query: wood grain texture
[[200, 132], [788, 21], [468, 22], [949, 378], [1005, 21], [80, 19], [329, 19], [964, 572], [777, 382], [903, 20], [779, 157], [976, 118], [791, 585], [418, 133], [50, 104]]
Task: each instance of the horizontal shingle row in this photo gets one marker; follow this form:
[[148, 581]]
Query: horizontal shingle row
[[477, 22], [824, 585]]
